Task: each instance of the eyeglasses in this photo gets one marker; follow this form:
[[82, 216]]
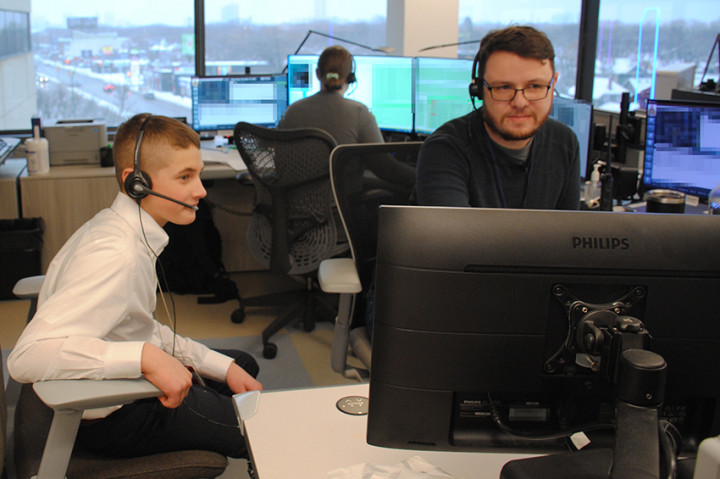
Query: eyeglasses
[[534, 92]]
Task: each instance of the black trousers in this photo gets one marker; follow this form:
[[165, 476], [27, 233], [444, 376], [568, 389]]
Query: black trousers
[[206, 421]]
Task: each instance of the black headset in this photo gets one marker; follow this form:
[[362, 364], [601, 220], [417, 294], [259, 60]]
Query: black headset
[[138, 183], [351, 78], [475, 88]]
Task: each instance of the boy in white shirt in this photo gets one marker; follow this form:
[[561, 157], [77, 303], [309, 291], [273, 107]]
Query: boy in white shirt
[[95, 310]]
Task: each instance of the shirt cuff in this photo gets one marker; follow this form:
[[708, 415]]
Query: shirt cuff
[[123, 359], [215, 366]]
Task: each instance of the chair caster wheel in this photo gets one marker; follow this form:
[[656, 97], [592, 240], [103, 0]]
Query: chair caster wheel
[[269, 351], [237, 316]]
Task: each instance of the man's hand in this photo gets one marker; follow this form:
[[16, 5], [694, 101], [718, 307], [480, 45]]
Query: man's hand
[[239, 381], [167, 373]]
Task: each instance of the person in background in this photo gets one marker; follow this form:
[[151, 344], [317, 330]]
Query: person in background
[[347, 121], [508, 153], [95, 316]]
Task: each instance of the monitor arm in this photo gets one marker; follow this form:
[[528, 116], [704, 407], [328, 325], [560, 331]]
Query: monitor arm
[[639, 392], [612, 345]]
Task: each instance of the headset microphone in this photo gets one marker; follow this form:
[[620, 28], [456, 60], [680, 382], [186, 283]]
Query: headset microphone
[[139, 189]]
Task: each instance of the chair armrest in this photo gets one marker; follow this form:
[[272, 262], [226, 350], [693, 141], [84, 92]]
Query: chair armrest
[[69, 398], [81, 394], [339, 275], [27, 288]]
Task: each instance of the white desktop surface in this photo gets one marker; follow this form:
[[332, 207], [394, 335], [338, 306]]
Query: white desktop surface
[[301, 434]]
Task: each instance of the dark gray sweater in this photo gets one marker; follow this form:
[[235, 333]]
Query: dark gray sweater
[[456, 168]]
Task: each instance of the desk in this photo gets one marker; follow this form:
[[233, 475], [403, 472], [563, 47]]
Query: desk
[[300, 433], [68, 196]]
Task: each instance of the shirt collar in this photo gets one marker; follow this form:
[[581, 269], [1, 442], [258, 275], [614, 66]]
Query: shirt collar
[[142, 224]]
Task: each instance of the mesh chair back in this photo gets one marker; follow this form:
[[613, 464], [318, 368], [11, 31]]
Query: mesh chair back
[[293, 226], [365, 176]]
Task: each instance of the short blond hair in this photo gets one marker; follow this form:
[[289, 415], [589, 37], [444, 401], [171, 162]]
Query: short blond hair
[[159, 133]]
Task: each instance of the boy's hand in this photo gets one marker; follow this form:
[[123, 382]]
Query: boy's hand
[[167, 373], [239, 381]]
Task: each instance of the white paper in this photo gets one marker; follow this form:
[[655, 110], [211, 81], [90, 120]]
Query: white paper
[[412, 468]]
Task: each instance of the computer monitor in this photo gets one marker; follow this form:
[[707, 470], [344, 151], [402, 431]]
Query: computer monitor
[[440, 91], [219, 102], [578, 115], [384, 85], [682, 146], [481, 318]]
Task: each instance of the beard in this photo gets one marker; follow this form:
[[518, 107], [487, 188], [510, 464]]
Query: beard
[[511, 135]]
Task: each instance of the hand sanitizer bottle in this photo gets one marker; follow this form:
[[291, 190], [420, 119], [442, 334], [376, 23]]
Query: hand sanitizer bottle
[[38, 154]]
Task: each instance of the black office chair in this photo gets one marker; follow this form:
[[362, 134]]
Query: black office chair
[[294, 224], [47, 417], [364, 177]]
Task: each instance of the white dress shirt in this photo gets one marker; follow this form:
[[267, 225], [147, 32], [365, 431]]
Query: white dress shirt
[[95, 309]]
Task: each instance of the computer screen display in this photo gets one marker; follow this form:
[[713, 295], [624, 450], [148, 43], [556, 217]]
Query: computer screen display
[[384, 85], [502, 328], [682, 146], [218, 103], [441, 91], [576, 114]]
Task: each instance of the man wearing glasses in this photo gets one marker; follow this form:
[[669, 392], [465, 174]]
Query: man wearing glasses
[[508, 153]]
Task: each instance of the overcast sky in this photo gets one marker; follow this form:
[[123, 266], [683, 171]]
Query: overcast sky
[[180, 12]]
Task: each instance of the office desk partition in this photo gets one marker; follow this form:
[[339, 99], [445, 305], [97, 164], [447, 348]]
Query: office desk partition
[[302, 434]]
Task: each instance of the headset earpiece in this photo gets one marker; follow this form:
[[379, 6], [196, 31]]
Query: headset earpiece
[[138, 183], [351, 78], [475, 88]]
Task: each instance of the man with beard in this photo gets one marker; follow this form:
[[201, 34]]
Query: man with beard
[[507, 154]]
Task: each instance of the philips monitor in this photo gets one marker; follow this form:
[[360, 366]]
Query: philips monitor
[[500, 327], [440, 91], [578, 115], [218, 103], [682, 146], [384, 85]]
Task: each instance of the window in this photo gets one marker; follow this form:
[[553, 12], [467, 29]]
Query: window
[[560, 21], [640, 43], [111, 60], [257, 37]]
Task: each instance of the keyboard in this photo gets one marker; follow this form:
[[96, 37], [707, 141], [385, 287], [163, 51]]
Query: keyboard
[[7, 145]]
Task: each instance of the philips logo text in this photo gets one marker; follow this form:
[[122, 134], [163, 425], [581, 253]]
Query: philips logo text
[[591, 242]]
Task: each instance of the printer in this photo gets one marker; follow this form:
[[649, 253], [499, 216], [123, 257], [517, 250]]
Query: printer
[[76, 142]]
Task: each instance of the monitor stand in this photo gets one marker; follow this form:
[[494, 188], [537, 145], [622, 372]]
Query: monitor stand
[[637, 453]]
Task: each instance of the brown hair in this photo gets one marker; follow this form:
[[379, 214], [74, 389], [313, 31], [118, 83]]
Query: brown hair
[[334, 67], [524, 41], [159, 133]]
